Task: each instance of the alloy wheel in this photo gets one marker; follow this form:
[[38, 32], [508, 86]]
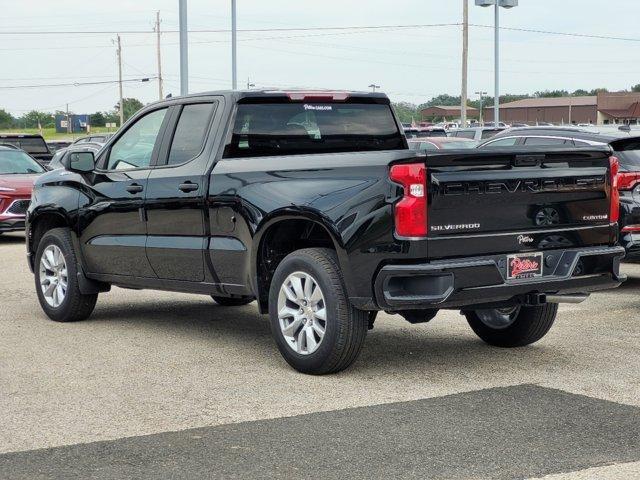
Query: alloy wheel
[[302, 313], [53, 276], [498, 318]]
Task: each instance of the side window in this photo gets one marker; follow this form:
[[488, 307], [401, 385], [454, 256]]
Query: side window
[[503, 142], [190, 133], [466, 134], [545, 141], [135, 147], [427, 146]]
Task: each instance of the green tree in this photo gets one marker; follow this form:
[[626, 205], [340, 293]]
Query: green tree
[[97, 119], [552, 93], [131, 106], [636, 88], [595, 91], [406, 111], [31, 119], [580, 92], [6, 119]]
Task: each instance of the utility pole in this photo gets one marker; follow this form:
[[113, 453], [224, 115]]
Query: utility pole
[[496, 48], [234, 49], [68, 124], [184, 48], [465, 60], [373, 87], [120, 81], [160, 95]]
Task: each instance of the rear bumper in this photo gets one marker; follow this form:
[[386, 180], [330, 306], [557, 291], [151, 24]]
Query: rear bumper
[[482, 280]]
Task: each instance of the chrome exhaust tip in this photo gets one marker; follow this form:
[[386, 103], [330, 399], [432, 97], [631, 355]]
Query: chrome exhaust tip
[[575, 298]]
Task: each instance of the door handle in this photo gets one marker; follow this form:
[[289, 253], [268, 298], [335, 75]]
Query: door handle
[[188, 187], [134, 188]]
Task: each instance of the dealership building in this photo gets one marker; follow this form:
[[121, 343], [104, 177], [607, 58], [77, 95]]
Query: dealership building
[[602, 109]]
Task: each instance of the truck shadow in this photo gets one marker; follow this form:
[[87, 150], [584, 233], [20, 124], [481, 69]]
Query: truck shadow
[[11, 238], [242, 332], [632, 283]]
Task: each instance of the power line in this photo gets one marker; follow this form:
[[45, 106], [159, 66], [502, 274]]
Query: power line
[[248, 30], [326, 29], [76, 84], [564, 34]]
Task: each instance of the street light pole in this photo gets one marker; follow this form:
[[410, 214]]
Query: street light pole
[[373, 87], [497, 4], [481, 93], [234, 58], [184, 48], [496, 95]]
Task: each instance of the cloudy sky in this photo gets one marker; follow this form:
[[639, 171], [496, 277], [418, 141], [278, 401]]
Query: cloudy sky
[[412, 59]]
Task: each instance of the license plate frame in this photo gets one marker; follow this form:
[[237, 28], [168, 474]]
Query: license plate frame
[[525, 265]]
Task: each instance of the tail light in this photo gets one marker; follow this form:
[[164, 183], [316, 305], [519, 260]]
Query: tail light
[[410, 212], [614, 206], [628, 180]]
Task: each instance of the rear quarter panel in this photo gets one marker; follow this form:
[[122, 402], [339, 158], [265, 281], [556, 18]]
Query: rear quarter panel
[[349, 193]]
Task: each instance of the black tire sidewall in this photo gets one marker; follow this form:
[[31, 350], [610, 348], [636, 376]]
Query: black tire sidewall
[[531, 324], [335, 326], [64, 311]]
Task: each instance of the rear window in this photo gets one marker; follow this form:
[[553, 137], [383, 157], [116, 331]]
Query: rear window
[[302, 128], [629, 159], [30, 145], [465, 134], [489, 133]]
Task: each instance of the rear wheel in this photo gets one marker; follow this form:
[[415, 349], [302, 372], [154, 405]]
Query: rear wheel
[[316, 328], [57, 280], [514, 326], [232, 301]]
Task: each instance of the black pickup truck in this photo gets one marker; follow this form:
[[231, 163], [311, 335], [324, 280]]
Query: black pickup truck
[[311, 204]]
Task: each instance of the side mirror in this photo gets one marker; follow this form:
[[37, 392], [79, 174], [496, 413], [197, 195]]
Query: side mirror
[[81, 162]]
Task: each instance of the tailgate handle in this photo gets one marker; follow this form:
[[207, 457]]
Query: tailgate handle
[[528, 160]]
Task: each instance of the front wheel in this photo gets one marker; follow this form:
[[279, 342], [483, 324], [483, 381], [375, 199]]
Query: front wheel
[[57, 280], [514, 326], [316, 328]]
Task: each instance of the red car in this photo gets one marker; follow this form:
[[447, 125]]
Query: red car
[[18, 171]]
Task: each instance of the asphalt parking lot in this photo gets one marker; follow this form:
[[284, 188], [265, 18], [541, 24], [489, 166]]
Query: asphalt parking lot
[[159, 385]]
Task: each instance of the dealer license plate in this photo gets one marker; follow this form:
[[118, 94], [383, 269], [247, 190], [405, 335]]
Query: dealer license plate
[[525, 265]]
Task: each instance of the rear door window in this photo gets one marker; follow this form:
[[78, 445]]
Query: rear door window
[[303, 128], [546, 141], [489, 133], [503, 142], [191, 132], [466, 134]]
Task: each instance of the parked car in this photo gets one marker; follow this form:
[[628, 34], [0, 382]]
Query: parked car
[[440, 143], [100, 138], [18, 171], [476, 133], [33, 144], [58, 159], [312, 204], [55, 145], [626, 149], [425, 132]]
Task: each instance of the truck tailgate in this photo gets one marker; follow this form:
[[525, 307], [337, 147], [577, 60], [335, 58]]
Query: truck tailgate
[[518, 201]]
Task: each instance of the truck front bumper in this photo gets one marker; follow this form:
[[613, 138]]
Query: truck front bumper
[[483, 280]]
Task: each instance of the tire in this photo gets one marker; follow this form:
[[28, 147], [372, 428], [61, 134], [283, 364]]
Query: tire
[[232, 301], [74, 305], [345, 327], [527, 325]]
